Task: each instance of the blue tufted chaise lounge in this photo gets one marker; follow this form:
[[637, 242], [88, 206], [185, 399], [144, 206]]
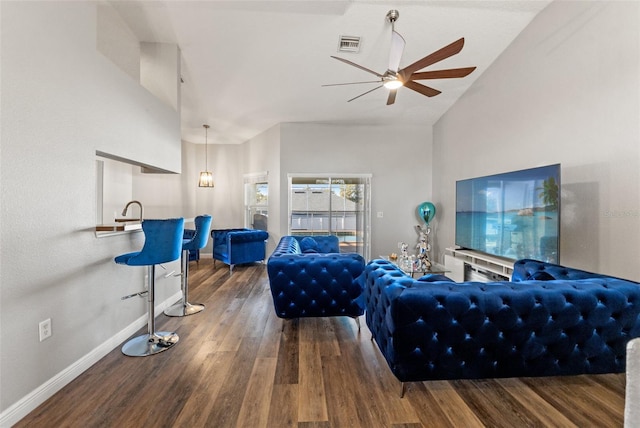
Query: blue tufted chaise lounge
[[238, 246], [309, 277], [549, 320]]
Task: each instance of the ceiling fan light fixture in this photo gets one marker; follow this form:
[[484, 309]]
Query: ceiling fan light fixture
[[393, 84]]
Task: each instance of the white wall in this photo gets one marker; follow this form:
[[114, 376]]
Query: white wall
[[160, 71], [116, 41], [398, 157], [227, 197], [566, 91], [262, 154], [62, 101], [117, 189]]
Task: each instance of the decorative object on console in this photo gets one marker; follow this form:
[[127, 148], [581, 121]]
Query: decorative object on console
[[403, 260], [404, 253], [423, 248], [206, 177], [427, 212]]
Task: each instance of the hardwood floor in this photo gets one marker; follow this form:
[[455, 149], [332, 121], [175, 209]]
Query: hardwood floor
[[238, 365]]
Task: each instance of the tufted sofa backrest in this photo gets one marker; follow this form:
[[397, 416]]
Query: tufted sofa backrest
[[326, 243], [528, 269]]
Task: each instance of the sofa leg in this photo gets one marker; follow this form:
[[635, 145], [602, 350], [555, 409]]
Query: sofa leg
[[403, 388], [357, 322]]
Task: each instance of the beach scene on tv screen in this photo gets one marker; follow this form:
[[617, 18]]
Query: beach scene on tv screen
[[513, 215]]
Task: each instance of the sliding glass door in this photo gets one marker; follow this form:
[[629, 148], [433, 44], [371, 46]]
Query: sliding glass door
[[332, 204]]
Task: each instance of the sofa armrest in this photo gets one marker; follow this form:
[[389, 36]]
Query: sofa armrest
[[383, 282], [219, 236]]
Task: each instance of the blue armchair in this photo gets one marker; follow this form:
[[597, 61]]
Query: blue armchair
[[309, 277], [238, 246]]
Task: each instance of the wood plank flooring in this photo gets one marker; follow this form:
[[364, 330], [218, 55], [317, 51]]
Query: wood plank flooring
[[238, 365]]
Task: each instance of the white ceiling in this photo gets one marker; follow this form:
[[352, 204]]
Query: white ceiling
[[248, 65]]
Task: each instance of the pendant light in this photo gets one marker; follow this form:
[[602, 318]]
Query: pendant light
[[206, 177]]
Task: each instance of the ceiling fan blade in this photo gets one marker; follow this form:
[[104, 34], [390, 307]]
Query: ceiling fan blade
[[436, 56], [351, 83], [424, 90], [371, 90], [346, 61], [442, 74], [392, 97], [397, 47]]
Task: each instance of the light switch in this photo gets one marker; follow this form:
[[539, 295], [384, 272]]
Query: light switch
[[380, 214]]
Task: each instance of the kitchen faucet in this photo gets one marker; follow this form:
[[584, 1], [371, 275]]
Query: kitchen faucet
[[124, 211]]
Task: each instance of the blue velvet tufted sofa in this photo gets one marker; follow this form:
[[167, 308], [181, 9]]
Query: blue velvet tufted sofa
[[309, 277], [549, 320], [238, 246]]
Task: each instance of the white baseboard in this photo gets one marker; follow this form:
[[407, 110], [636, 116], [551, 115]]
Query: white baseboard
[[24, 406]]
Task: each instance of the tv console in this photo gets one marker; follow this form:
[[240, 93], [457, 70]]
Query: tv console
[[469, 265]]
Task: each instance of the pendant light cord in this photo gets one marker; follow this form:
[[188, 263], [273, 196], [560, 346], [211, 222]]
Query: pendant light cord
[[206, 148]]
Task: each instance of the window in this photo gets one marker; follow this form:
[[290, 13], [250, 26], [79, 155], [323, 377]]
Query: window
[[336, 205], [256, 200]]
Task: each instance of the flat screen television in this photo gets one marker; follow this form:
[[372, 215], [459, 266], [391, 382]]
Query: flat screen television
[[513, 215]]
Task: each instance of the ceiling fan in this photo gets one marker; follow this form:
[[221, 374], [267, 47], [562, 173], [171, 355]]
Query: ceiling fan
[[394, 77]]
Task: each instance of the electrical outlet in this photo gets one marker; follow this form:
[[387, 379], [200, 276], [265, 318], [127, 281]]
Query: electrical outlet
[[45, 329]]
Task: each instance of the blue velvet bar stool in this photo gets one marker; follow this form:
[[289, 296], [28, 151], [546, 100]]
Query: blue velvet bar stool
[[198, 241], [162, 244]]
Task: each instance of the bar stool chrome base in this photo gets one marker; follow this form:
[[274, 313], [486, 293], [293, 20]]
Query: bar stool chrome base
[[145, 345], [183, 309]]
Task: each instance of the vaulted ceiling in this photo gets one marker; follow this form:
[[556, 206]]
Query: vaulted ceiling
[[248, 65]]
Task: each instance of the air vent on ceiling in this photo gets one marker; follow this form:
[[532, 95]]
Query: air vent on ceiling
[[349, 44]]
